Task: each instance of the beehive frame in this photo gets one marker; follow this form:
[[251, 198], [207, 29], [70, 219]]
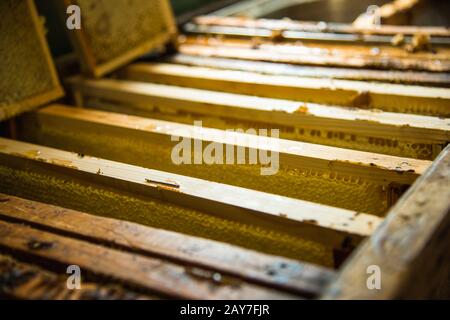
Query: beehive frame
[[408, 247], [16, 107], [408, 242], [90, 62]]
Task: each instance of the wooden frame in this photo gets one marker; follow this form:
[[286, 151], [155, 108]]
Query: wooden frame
[[88, 59], [137, 253], [225, 110], [234, 33], [175, 198], [149, 144], [284, 69], [291, 32], [9, 111], [30, 282], [390, 11], [124, 267], [410, 248], [317, 27], [359, 94], [213, 257]]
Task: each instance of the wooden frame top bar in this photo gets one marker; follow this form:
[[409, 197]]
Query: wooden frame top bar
[[380, 96], [95, 57], [31, 30], [251, 108], [305, 36], [411, 246], [297, 154], [331, 224]]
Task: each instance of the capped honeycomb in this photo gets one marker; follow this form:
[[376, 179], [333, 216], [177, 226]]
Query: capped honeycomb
[[27, 75], [116, 31]]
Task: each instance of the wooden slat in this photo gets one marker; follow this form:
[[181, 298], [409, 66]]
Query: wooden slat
[[42, 84], [318, 27], [305, 37], [411, 247], [100, 57], [388, 13], [365, 95], [26, 281], [217, 211], [379, 56], [147, 274], [284, 69], [387, 167], [352, 56], [362, 181], [272, 271]]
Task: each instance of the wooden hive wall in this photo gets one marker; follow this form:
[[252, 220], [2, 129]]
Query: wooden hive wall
[[114, 32]]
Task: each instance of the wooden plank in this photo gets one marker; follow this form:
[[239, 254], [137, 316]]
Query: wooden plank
[[149, 275], [252, 8], [272, 271], [284, 69], [404, 135], [410, 247], [137, 29], [18, 96], [269, 223], [314, 54], [26, 281], [356, 180], [318, 26], [387, 97], [390, 12]]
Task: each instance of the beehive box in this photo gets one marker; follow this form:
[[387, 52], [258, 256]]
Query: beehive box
[[28, 77], [115, 32]]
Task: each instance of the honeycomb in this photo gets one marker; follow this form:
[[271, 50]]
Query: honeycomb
[[326, 187], [27, 77], [113, 28]]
